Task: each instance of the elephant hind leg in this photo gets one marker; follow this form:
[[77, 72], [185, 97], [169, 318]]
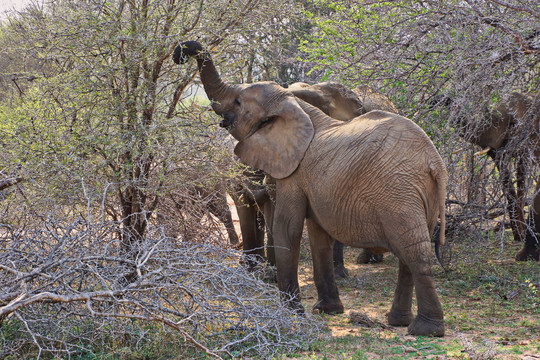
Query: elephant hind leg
[[340, 271], [429, 320], [414, 254], [401, 314], [531, 247]]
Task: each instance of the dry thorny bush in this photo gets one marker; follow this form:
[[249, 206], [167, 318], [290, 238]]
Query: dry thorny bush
[[63, 293]]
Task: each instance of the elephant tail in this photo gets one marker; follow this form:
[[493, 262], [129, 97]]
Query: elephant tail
[[441, 177], [442, 216]]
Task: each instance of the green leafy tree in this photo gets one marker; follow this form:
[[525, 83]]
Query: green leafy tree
[[104, 127]]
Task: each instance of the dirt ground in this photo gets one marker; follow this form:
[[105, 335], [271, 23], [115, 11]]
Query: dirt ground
[[479, 324]]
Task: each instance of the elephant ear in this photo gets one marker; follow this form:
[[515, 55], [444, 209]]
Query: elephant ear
[[279, 145]]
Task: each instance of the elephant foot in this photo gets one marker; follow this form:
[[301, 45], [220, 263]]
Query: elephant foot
[[528, 253], [341, 272], [326, 307], [396, 318], [422, 326], [367, 257]]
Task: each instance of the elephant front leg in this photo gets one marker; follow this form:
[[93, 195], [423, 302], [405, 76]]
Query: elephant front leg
[[288, 225], [323, 270], [287, 259], [514, 201]]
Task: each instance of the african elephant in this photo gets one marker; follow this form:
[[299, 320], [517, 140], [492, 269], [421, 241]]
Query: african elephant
[[337, 101], [376, 181], [511, 130], [514, 132], [372, 100]]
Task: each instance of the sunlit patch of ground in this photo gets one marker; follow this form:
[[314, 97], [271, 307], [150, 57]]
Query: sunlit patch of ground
[[480, 322]]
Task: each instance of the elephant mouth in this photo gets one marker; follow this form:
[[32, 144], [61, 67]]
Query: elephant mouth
[[227, 126]]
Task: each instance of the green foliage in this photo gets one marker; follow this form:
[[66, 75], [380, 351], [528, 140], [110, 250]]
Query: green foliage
[[100, 129], [415, 50]]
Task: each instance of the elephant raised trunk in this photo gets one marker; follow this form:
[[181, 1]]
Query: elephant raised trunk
[[216, 89]]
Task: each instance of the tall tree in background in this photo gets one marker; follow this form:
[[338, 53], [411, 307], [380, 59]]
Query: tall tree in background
[[102, 126]]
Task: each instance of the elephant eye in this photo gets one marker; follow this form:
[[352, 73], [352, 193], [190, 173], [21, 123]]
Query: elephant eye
[[267, 121], [236, 102]]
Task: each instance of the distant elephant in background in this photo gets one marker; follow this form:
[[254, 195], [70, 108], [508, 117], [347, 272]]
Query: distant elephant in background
[[333, 98], [511, 130], [376, 181]]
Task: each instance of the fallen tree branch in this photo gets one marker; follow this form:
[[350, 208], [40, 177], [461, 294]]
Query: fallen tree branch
[[59, 281]]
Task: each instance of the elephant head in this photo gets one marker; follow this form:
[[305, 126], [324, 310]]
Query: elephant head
[[253, 123], [511, 129], [333, 98]]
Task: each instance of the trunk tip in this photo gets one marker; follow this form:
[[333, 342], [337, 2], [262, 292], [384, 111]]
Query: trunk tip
[[185, 50]]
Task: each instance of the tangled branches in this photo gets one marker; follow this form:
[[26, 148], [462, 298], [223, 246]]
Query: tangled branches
[[64, 293]]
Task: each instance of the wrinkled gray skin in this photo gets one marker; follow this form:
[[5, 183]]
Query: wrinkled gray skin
[[343, 104], [376, 181], [511, 130]]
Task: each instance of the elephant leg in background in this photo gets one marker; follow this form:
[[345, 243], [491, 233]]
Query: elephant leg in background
[[339, 266], [521, 174], [514, 204], [268, 215], [531, 248], [366, 256], [252, 231], [323, 270], [220, 209]]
